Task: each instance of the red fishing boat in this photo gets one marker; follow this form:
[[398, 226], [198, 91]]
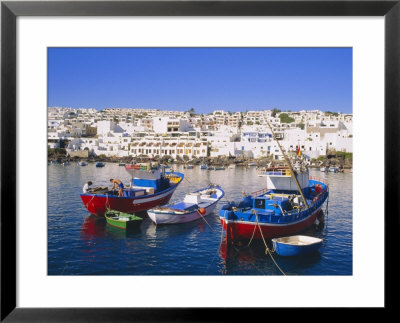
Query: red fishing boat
[[151, 186]]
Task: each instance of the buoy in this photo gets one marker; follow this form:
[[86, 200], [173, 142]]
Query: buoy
[[202, 211]]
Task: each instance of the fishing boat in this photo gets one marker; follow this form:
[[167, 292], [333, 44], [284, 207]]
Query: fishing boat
[[99, 164], [203, 166], [195, 205], [252, 164], [82, 163], [121, 164], [150, 186], [289, 204], [323, 169], [333, 169], [276, 211], [219, 168], [122, 220], [295, 245], [211, 168], [188, 167]]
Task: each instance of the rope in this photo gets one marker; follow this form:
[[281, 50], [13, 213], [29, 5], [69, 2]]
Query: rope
[[327, 203], [107, 203], [86, 205], [220, 243], [267, 251], [205, 221], [188, 180], [252, 236]]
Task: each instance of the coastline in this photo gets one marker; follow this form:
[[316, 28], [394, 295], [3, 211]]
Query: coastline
[[329, 161]]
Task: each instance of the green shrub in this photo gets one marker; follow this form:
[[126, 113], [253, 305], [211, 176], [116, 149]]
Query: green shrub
[[285, 118]]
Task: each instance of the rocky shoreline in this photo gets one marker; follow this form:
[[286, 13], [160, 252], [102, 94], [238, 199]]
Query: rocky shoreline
[[332, 160]]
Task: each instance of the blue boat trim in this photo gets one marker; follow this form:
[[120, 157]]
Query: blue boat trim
[[182, 206]]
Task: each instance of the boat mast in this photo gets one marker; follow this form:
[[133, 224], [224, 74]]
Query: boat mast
[[289, 164]]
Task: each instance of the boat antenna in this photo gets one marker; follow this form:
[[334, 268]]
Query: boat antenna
[[289, 164]]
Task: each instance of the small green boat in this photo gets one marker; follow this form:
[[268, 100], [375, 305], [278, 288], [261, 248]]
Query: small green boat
[[122, 220]]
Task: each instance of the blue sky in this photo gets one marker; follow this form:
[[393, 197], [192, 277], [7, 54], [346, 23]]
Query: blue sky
[[206, 79]]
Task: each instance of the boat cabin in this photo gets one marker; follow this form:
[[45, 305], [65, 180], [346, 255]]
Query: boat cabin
[[280, 178], [278, 203], [147, 179]]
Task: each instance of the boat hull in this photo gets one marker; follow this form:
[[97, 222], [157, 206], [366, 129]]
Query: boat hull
[[173, 218], [238, 230], [238, 227], [99, 204], [124, 225]]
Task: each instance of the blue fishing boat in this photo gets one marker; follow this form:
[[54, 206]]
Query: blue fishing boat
[[203, 166], [278, 210], [295, 245], [82, 163], [219, 168], [99, 164], [289, 204]]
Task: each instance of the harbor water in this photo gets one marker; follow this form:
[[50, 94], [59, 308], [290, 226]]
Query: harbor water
[[83, 244]]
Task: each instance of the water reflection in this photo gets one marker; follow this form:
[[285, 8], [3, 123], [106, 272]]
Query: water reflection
[[184, 249], [117, 233], [189, 229], [93, 227], [239, 255]]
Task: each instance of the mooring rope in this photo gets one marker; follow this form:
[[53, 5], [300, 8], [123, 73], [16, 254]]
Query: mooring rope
[[186, 177], [254, 230], [107, 203], [266, 246], [220, 243], [205, 221], [86, 205], [327, 203]]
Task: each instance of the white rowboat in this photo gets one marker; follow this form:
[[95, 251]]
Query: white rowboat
[[194, 206]]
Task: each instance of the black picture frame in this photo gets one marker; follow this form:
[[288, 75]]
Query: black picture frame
[[10, 10]]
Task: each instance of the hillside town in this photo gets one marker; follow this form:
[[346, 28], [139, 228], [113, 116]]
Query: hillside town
[[186, 135]]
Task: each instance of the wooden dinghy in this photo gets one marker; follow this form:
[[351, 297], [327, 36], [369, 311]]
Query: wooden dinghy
[[122, 220]]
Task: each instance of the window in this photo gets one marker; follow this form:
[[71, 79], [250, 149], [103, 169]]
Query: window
[[259, 203]]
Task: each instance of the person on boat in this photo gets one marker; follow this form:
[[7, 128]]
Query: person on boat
[[86, 187], [117, 184]]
